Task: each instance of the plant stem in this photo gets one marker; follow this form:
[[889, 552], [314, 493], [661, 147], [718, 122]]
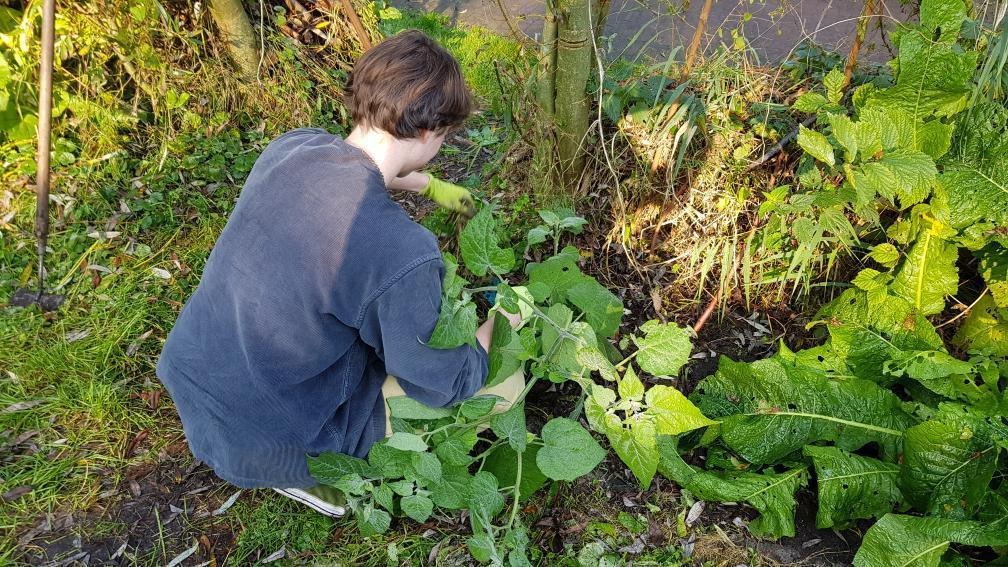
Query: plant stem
[[480, 289], [517, 494]]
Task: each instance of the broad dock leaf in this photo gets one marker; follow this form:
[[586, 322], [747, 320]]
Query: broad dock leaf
[[851, 486]]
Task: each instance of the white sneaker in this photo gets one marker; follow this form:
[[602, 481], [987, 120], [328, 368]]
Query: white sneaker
[[324, 500]]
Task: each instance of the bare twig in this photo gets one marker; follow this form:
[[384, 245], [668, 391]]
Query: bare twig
[[518, 35], [859, 34], [965, 311], [694, 47]]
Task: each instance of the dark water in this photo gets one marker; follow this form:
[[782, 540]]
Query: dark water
[[772, 28]]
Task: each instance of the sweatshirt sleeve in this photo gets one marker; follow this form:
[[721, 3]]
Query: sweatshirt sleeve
[[399, 322]]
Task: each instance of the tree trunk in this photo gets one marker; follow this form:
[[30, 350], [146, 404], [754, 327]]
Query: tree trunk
[[862, 27], [237, 31], [574, 65], [546, 87]]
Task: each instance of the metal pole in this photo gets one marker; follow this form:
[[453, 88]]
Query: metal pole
[[45, 117]]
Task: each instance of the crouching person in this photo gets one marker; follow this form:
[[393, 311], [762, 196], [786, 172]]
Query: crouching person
[[319, 296]]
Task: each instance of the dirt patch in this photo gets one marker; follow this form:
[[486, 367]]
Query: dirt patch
[[159, 510]]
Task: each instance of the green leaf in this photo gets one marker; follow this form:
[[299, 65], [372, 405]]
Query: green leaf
[[673, 413], [810, 102], [453, 490], [538, 235], [885, 254], [555, 276], [372, 521], [402, 488], [771, 408], [852, 487], [573, 224], [816, 145], [485, 500], [510, 425], [406, 442], [417, 507], [503, 464], [389, 461], [428, 468], [771, 494], [482, 547], [568, 451], [549, 217], [947, 467], [456, 324], [635, 444], [408, 408], [507, 352], [834, 83], [478, 406], [915, 174], [453, 448], [602, 309], [560, 351], [909, 541], [630, 387], [480, 251], [383, 496], [985, 329], [935, 369], [994, 269], [664, 349], [976, 193], [928, 274], [329, 468], [846, 133], [592, 358]]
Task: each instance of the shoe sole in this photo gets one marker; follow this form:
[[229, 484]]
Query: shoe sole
[[316, 504]]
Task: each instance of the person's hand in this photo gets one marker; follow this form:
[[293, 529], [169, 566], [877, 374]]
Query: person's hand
[[450, 196]]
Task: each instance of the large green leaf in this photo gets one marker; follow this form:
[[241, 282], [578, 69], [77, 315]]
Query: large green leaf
[[562, 338], [771, 408], [510, 425], [914, 173], [503, 464], [928, 274], [941, 373], [947, 465], [852, 487], [485, 500], [329, 468], [568, 451], [817, 145], [985, 329], [771, 494], [453, 490], [664, 348], [909, 541], [456, 324], [635, 444], [480, 251], [507, 352], [673, 413], [555, 276], [602, 309], [994, 269]]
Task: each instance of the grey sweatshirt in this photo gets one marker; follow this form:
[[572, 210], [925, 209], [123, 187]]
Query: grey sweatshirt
[[318, 288]]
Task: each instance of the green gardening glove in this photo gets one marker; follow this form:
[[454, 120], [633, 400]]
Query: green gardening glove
[[450, 196]]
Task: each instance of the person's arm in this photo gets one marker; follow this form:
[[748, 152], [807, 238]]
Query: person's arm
[[415, 181], [399, 323]]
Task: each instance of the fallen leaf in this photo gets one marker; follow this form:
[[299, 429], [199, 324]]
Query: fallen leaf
[[134, 443], [227, 504], [161, 273], [276, 555], [694, 512], [15, 493], [20, 406], [182, 556], [77, 335]]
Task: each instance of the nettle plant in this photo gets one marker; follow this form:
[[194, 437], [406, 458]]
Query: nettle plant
[[469, 458], [892, 424]]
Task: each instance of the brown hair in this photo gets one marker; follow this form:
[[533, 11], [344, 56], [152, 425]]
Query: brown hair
[[406, 84]]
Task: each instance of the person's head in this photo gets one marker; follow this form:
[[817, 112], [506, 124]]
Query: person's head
[[411, 88]]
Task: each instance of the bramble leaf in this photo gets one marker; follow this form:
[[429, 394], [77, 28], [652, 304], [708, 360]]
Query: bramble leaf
[[816, 145]]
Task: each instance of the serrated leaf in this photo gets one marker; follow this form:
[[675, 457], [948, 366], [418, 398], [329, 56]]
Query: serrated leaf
[[809, 102], [453, 448], [816, 145], [770, 408], [994, 269], [914, 173], [928, 274], [885, 254], [591, 357], [771, 494], [602, 309], [568, 451], [629, 386], [503, 464], [664, 348], [635, 444], [328, 468], [985, 329], [852, 487], [383, 497], [909, 541], [417, 507], [478, 406], [573, 224], [402, 487], [456, 325], [484, 498], [846, 133], [538, 235], [935, 369], [507, 352], [428, 468], [373, 521], [834, 83], [406, 442], [481, 546], [389, 461], [510, 425], [480, 251], [673, 413], [452, 491], [549, 217]]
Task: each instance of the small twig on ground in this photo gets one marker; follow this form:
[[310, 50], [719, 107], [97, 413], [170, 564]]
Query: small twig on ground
[[776, 149], [964, 311]]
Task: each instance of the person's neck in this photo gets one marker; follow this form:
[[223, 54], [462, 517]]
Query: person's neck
[[384, 149]]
